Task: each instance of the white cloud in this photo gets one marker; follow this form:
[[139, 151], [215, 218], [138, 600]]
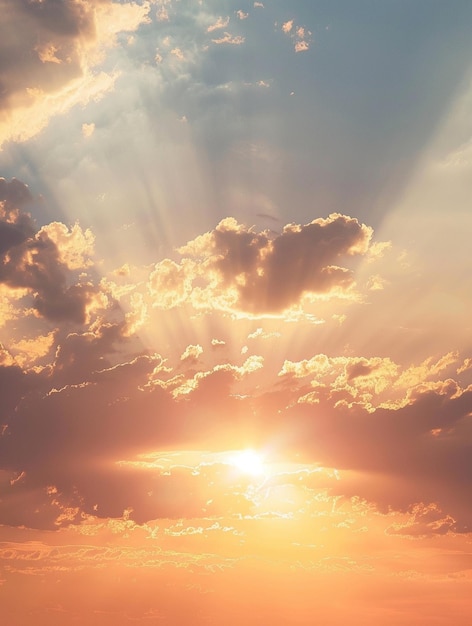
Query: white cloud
[[230, 39], [221, 22]]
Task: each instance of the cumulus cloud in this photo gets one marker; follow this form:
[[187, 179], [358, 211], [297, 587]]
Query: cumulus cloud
[[170, 283], [39, 261], [75, 246], [261, 273]]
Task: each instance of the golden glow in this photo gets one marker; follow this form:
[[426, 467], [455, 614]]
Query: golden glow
[[248, 462]]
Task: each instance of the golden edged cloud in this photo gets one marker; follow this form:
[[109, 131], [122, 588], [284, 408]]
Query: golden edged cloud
[[192, 353], [375, 382], [9, 299], [423, 520], [27, 120], [237, 269], [75, 245], [235, 372], [170, 284], [42, 264], [28, 351], [53, 53], [137, 316]]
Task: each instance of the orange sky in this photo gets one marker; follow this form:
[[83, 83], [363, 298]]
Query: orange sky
[[235, 340]]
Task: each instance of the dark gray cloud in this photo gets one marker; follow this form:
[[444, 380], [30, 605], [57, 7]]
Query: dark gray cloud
[[15, 226], [31, 260], [40, 46], [14, 193]]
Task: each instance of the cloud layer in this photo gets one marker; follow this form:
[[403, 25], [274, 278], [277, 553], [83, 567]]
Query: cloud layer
[[262, 273], [81, 398]]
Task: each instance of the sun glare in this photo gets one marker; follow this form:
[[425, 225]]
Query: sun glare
[[248, 462]]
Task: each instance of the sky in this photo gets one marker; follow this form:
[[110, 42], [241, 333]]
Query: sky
[[235, 337]]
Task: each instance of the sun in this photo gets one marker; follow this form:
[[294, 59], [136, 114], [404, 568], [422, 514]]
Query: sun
[[248, 462]]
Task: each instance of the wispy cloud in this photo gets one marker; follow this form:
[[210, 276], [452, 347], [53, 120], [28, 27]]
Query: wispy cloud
[[230, 39], [221, 22]]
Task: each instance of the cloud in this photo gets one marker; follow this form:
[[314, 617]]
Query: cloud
[[88, 129], [372, 383], [79, 403], [192, 353], [259, 332], [399, 457], [80, 355], [27, 351], [221, 22], [287, 26], [466, 366], [162, 11], [70, 463], [69, 424], [217, 343], [50, 52], [39, 261], [14, 193], [75, 246], [242, 15], [177, 52], [302, 46], [202, 382], [424, 521], [299, 35], [260, 273], [170, 283], [236, 40]]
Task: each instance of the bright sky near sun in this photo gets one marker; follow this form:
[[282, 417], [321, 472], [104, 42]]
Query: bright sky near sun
[[235, 294]]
